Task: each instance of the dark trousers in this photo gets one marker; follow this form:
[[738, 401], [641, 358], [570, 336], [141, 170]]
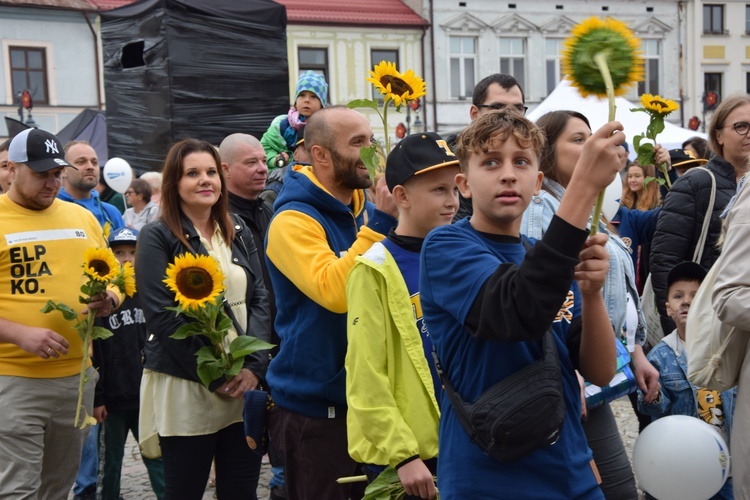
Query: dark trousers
[[187, 463], [116, 428], [618, 482], [315, 455]]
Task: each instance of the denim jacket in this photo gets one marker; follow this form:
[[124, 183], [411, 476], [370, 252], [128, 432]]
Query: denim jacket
[[678, 396], [620, 280]]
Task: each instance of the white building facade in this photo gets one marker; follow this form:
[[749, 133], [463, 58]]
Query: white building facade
[[475, 38]]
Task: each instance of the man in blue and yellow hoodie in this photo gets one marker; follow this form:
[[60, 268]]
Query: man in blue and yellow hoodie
[[322, 223]]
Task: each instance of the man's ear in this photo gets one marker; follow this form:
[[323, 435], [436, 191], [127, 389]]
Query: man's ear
[[462, 182], [473, 112], [225, 168], [318, 154], [12, 169]]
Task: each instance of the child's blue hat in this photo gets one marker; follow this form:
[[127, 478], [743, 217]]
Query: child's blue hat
[[315, 83], [123, 236]]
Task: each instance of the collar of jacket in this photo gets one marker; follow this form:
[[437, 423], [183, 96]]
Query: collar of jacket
[[191, 233]]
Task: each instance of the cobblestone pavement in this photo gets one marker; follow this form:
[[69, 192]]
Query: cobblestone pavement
[[135, 485]]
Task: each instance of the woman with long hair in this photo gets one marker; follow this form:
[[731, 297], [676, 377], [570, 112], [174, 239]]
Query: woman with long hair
[[636, 194], [186, 423], [678, 229], [566, 132]]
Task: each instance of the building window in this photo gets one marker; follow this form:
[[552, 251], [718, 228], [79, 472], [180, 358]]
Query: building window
[[315, 59], [28, 69], [712, 82], [713, 19], [513, 58], [747, 19], [463, 55], [553, 48], [376, 57], [747, 83], [651, 56]]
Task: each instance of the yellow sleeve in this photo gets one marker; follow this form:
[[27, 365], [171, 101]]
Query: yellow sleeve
[[377, 431], [298, 247]]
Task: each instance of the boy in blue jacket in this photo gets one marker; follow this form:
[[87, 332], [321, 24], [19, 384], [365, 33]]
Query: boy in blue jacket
[[678, 396], [488, 303]]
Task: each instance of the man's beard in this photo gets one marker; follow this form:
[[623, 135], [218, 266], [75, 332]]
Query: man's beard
[[346, 174]]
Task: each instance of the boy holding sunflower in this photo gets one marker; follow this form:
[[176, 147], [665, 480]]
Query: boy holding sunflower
[[487, 324]]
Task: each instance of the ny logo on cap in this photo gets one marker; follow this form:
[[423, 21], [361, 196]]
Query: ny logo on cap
[[51, 146]]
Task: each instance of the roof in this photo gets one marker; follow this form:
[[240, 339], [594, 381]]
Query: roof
[[81, 5], [351, 12], [110, 4]]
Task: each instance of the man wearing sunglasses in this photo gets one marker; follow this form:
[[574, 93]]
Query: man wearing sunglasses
[[495, 92]]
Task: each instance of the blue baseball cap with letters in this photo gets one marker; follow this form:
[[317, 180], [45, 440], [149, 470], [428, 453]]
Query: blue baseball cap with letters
[[123, 236], [37, 149]]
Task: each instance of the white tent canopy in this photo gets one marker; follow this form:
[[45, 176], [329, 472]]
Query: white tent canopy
[[565, 96]]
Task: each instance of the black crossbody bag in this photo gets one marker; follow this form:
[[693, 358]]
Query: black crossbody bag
[[518, 415]]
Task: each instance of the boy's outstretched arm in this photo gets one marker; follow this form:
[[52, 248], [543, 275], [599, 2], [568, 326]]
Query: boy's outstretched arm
[[597, 166], [598, 356]]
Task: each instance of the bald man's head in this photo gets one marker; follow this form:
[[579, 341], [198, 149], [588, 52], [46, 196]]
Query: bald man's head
[[233, 144]]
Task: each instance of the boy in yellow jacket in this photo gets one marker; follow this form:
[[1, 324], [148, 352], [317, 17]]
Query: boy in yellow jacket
[[392, 387]]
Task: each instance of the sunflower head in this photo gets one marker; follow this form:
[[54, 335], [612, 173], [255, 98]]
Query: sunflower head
[[100, 264], [654, 104], [618, 44], [195, 279], [128, 279], [106, 230], [394, 86]]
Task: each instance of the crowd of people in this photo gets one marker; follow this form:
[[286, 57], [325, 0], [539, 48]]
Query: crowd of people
[[399, 309]]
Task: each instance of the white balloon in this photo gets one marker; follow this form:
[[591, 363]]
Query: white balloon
[[117, 174], [612, 198], [681, 458]]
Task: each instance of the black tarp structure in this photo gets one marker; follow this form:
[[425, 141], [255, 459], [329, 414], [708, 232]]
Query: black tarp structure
[[191, 68], [14, 127], [90, 125]]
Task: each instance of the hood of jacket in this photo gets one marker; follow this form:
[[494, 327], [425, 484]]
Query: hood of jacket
[[301, 185]]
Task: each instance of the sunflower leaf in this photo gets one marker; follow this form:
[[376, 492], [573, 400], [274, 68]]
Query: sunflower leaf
[[370, 158], [100, 333], [225, 324], [363, 103], [247, 344], [187, 330], [68, 313], [235, 369], [209, 366]]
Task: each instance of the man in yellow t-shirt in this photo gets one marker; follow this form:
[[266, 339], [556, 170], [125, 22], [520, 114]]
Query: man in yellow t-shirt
[[42, 242]]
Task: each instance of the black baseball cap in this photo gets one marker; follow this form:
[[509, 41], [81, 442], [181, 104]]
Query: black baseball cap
[[686, 271], [37, 149], [684, 158], [417, 154], [123, 236]]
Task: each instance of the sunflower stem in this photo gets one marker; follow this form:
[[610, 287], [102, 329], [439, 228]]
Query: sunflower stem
[[88, 328], [385, 127], [601, 62], [663, 168]]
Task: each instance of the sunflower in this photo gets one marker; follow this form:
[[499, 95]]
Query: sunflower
[[394, 86], [100, 264], [659, 105], [128, 279], [195, 280], [616, 42], [106, 230]]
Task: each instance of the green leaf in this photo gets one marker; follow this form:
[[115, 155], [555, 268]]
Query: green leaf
[[100, 333], [235, 369], [370, 158], [188, 330], [247, 344], [68, 313], [225, 324], [637, 141], [210, 366], [363, 103]]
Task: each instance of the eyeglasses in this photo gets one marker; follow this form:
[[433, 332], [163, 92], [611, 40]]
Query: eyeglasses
[[497, 107], [741, 128], [129, 192]]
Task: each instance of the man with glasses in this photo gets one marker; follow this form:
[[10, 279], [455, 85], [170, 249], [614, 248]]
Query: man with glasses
[[493, 93]]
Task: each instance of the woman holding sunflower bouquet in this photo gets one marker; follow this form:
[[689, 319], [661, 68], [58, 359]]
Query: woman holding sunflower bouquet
[[185, 418]]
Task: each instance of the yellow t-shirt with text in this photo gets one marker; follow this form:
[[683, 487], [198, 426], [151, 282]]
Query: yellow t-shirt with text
[[41, 257]]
